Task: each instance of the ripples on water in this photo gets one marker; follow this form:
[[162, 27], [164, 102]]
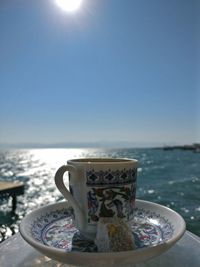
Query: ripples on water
[[171, 178]]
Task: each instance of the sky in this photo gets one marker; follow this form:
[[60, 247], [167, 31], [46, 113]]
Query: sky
[[113, 71]]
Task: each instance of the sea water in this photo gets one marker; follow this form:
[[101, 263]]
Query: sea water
[[170, 178]]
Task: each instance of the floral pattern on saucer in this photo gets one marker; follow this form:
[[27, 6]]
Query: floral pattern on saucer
[[56, 229], [150, 228]]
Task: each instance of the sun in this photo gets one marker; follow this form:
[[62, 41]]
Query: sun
[[69, 5]]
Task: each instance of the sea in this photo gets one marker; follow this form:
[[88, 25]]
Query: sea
[[168, 177]]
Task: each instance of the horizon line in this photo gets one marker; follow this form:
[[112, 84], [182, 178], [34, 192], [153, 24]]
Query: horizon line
[[97, 144]]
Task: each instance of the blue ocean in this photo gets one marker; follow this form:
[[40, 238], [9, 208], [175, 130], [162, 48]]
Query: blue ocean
[[170, 178]]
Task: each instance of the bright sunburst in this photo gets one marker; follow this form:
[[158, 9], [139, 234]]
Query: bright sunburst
[[69, 5]]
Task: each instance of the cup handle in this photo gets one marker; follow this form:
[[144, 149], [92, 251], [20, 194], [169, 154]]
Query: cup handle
[[79, 216]]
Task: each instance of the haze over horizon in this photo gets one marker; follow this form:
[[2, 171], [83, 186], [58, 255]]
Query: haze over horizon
[[113, 72], [95, 145]]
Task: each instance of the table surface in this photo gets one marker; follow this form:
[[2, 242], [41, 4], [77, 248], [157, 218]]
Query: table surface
[[9, 185], [15, 252]]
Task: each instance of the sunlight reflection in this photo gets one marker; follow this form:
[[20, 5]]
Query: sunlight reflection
[[154, 221], [57, 157]]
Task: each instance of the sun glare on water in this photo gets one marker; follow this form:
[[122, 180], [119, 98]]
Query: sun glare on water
[[69, 5]]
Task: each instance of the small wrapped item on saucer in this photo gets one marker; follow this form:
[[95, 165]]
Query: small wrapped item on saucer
[[114, 234]]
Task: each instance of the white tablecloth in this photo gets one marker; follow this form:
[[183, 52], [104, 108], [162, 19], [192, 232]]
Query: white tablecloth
[[15, 252]]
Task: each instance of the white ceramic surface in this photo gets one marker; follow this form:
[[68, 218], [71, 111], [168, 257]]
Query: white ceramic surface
[[99, 187], [51, 231]]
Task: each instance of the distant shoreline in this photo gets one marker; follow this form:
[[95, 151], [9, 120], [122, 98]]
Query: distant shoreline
[[194, 147], [100, 145]]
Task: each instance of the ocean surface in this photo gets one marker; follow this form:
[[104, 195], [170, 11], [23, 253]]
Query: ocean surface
[[170, 178]]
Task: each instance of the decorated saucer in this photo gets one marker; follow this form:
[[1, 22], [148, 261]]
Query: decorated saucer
[[51, 231]]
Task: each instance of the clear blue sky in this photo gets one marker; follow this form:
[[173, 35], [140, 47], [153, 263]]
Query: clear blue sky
[[114, 70]]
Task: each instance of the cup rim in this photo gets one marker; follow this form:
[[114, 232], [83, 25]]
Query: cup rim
[[102, 161]]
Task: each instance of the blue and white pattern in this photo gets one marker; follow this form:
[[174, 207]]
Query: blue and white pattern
[[56, 223], [150, 228], [110, 177], [56, 229]]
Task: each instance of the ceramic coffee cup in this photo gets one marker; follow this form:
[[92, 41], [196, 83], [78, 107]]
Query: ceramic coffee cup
[[99, 187]]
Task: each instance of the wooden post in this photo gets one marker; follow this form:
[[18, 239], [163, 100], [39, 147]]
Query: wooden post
[[14, 203]]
